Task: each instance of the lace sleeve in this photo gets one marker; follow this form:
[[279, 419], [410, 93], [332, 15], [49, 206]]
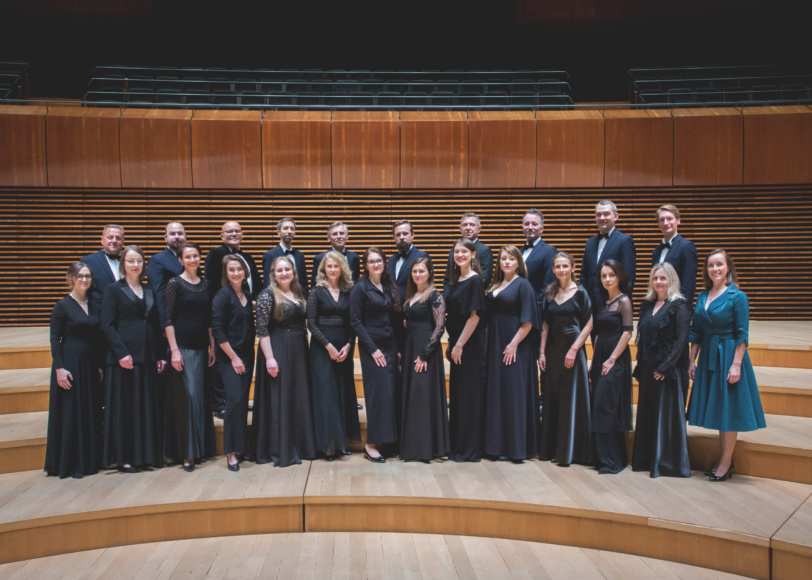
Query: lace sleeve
[[170, 298], [438, 312], [682, 321], [264, 310], [316, 335], [624, 306]]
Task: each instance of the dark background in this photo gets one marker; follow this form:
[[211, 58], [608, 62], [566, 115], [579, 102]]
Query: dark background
[[597, 41]]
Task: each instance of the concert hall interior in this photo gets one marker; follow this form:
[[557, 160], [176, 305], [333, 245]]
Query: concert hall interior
[[144, 113]]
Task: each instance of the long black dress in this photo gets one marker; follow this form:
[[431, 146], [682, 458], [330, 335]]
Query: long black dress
[[132, 420], [511, 411], [660, 437], [74, 444], [335, 411], [566, 417], [371, 314], [424, 427], [189, 432], [612, 393], [283, 416], [467, 379]]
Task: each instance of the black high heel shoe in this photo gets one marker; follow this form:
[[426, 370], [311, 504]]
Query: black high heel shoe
[[368, 457], [724, 477], [709, 472]]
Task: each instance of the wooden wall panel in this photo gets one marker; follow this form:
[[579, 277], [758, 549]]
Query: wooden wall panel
[[82, 145], [639, 148], [569, 148], [777, 145], [227, 149], [156, 148], [366, 149], [502, 149], [296, 150], [708, 146], [22, 148], [433, 149]]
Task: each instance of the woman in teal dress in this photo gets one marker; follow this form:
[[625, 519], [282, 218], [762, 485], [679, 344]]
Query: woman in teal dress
[[725, 395]]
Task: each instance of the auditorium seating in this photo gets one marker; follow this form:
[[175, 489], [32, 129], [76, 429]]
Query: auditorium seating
[[716, 86], [329, 89], [13, 79]]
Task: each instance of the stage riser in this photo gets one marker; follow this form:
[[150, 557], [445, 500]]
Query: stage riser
[[119, 527], [790, 561]]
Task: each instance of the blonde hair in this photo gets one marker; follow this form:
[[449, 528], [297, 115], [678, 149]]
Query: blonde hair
[[344, 280], [295, 288], [673, 282]]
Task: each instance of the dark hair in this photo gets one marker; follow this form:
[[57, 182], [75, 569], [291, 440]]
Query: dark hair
[[554, 286], [623, 279], [73, 271], [411, 287], [731, 277], [390, 289], [232, 258], [535, 212], [193, 246], [455, 270], [402, 223], [499, 277], [140, 252]]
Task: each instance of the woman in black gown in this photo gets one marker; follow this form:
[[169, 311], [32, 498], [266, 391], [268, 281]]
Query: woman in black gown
[[661, 437], [132, 422], [374, 303], [511, 412], [611, 371], [283, 416], [187, 318], [424, 425], [465, 307], [232, 325], [335, 411], [74, 443], [565, 420]]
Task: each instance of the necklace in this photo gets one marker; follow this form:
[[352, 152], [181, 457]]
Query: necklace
[[72, 295]]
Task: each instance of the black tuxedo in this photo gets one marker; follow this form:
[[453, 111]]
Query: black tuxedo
[[131, 325], [618, 247], [161, 268], [485, 256], [682, 255], [403, 279], [539, 266], [102, 276], [298, 259], [213, 269], [353, 260]]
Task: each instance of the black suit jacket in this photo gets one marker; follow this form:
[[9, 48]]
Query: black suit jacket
[[403, 280], [232, 322], [682, 255], [213, 269], [298, 259], [102, 276], [485, 255], [161, 268], [353, 260], [131, 325], [618, 247], [539, 266]]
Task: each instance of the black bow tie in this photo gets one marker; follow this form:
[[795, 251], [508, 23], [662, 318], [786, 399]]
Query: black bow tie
[[604, 236], [288, 252], [664, 245], [403, 254], [111, 257], [528, 246]]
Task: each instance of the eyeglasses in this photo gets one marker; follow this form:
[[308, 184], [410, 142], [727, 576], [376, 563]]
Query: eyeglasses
[[374, 262], [134, 262], [84, 277]]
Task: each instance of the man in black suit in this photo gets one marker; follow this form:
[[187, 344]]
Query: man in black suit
[[610, 243], [400, 264], [337, 235], [105, 263], [537, 254], [286, 228], [231, 235], [470, 226], [166, 264], [677, 251]]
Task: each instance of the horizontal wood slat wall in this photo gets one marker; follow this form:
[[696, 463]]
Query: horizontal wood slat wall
[[764, 228]]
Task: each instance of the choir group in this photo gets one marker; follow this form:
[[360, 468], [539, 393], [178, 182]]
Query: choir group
[[139, 369]]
